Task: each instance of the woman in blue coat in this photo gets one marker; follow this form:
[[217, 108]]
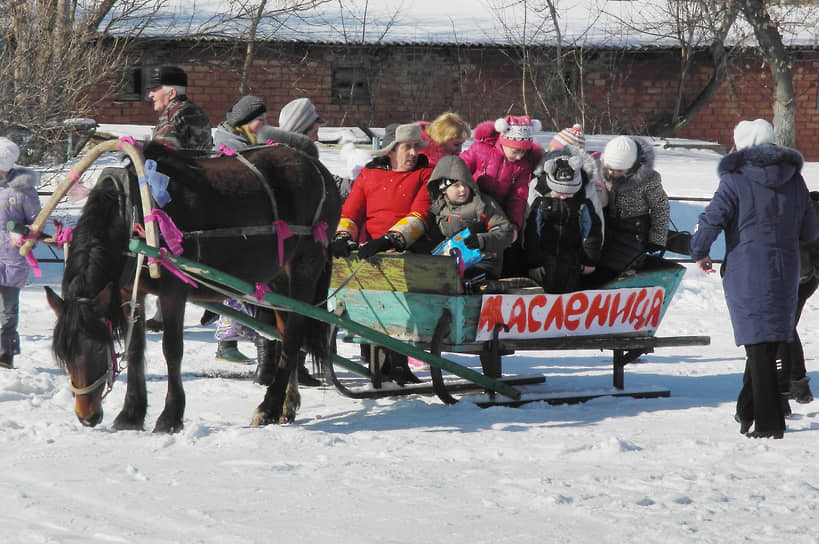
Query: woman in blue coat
[[764, 208]]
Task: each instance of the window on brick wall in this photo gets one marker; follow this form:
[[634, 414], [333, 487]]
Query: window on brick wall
[[133, 85], [350, 85]]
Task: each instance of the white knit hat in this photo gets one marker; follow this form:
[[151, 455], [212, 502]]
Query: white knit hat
[[9, 153], [298, 116], [620, 153], [752, 133], [563, 174]]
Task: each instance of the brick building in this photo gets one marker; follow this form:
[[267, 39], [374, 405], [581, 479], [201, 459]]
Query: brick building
[[622, 91]]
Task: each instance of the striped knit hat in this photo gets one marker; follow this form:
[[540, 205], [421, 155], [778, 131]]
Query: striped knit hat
[[568, 136]]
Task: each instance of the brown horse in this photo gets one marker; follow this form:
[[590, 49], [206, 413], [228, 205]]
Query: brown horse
[[226, 206]]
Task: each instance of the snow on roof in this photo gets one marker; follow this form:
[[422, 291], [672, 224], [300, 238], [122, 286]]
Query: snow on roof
[[599, 23]]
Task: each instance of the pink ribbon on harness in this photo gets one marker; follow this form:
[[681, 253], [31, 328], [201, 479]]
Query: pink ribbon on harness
[[282, 233], [163, 260], [225, 150], [171, 233], [128, 140], [62, 235], [320, 233], [30, 258], [260, 290]]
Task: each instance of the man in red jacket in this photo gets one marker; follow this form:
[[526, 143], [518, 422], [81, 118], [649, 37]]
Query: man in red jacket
[[388, 200]]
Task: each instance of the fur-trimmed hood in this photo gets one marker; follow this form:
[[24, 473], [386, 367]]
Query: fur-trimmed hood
[[768, 164], [20, 179]]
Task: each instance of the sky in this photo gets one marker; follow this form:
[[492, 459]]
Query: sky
[[410, 469]]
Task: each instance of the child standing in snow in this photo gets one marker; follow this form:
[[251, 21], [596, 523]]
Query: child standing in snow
[[457, 203], [18, 202]]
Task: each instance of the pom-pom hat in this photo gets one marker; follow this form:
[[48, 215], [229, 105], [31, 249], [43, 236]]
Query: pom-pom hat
[[517, 131], [753, 133], [568, 136], [9, 153], [563, 174], [620, 153]]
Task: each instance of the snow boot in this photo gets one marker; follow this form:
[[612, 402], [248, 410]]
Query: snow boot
[[155, 324], [227, 350], [800, 390], [6, 360], [744, 424]]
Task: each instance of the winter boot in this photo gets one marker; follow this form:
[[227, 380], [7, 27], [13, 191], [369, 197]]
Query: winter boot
[[155, 324], [6, 360], [227, 350], [800, 390], [267, 357], [744, 424], [305, 378]]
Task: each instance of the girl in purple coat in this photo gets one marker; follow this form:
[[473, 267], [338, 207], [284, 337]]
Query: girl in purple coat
[[18, 202]]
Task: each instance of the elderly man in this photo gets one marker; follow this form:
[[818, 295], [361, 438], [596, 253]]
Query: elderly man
[[388, 199], [182, 124]]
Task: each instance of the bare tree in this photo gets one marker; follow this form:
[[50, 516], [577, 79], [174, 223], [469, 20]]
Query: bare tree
[[255, 20], [767, 34], [53, 53]]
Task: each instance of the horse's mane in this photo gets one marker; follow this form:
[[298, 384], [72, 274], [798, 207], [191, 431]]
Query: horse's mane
[[96, 259]]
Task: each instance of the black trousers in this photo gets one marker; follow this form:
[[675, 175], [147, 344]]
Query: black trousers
[[759, 398], [791, 353]]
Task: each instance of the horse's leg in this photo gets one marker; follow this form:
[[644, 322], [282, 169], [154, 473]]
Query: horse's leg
[[132, 415], [282, 399], [173, 315]]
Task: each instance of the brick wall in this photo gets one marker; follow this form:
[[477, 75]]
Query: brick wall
[[623, 91]]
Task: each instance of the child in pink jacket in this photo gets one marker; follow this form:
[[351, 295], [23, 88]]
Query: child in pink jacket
[[502, 160]]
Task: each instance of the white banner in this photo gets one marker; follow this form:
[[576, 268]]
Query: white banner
[[582, 313]]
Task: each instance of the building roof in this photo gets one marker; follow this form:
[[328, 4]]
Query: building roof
[[597, 23]]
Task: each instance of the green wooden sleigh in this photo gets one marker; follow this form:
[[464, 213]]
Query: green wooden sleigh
[[419, 300]]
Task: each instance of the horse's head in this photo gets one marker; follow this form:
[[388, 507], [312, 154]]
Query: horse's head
[[84, 348]]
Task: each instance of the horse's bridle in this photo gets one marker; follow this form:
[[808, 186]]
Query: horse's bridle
[[107, 378]]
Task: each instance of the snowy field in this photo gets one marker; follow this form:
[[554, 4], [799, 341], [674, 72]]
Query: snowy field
[[411, 469]]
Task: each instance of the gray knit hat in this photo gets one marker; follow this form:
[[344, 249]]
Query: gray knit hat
[[298, 116], [245, 110], [563, 174]]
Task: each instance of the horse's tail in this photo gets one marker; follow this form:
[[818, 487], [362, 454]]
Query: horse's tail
[[318, 342]]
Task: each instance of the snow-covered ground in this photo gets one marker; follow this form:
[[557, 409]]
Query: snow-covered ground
[[411, 469]]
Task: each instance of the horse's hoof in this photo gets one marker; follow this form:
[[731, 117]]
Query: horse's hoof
[[260, 419], [125, 422], [166, 427]]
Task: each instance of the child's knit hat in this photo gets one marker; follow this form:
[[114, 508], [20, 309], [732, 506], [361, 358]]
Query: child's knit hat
[[568, 136], [563, 174], [517, 131]]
